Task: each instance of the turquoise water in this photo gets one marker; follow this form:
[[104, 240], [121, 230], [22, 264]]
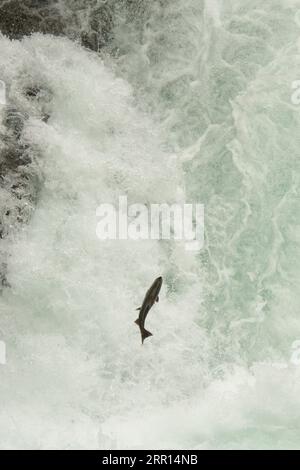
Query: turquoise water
[[189, 98], [219, 79]]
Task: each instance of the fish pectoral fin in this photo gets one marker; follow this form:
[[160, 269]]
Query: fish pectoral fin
[[157, 299], [139, 308]]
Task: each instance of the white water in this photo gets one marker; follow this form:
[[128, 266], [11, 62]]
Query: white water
[[72, 303], [217, 372]]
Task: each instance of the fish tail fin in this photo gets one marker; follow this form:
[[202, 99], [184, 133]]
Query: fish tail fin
[[145, 334]]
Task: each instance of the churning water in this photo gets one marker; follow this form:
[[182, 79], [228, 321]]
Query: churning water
[[188, 100]]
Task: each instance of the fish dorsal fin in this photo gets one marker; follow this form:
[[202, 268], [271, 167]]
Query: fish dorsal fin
[[137, 321]]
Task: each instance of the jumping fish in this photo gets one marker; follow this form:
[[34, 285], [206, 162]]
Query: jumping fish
[[151, 297]]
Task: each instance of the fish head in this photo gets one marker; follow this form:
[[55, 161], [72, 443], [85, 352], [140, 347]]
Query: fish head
[[159, 281]]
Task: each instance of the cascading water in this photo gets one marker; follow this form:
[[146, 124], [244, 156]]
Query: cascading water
[[187, 99]]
